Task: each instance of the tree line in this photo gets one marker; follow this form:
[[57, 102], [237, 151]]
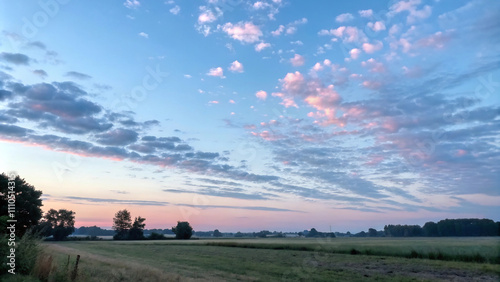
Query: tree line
[[125, 229], [446, 227]]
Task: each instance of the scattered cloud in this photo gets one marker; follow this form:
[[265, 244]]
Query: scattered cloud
[[78, 75], [262, 95], [236, 67], [218, 71], [261, 46], [278, 31], [245, 32], [297, 60], [143, 34], [377, 26], [411, 7], [40, 73], [175, 10], [15, 58], [366, 13], [208, 15], [371, 48], [342, 18], [132, 4]]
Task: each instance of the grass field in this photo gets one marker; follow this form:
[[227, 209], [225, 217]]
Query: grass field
[[296, 259]]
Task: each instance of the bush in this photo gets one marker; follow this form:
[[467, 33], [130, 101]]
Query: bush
[[355, 252], [27, 251], [183, 230], [156, 236]]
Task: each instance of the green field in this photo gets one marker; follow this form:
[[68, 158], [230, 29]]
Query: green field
[[294, 259]]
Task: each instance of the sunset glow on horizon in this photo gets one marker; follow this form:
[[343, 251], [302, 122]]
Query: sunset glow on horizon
[[246, 115]]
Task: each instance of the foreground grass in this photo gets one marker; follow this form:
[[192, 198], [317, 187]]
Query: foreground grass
[[267, 260]]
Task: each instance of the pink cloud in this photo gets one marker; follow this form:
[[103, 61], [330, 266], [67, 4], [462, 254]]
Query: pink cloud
[[324, 99], [371, 48], [297, 60], [245, 32], [338, 32], [411, 7], [317, 67], [278, 31], [219, 72], [344, 17], [206, 16], [366, 13], [390, 125], [268, 136], [261, 95], [352, 34], [394, 29], [260, 5], [236, 67], [261, 46], [293, 82], [375, 160], [370, 84], [286, 101], [437, 40], [355, 53], [373, 65], [377, 26]]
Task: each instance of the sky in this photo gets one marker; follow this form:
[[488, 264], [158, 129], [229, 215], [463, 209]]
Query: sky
[[247, 115]]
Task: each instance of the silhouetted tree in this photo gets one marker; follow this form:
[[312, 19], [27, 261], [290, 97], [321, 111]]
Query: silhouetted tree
[[59, 224], [137, 230], [430, 229], [238, 234], [313, 233], [27, 203], [183, 230], [467, 227], [156, 236], [403, 230], [122, 222], [94, 231], [217, 233], [372, 232], [262, 234]]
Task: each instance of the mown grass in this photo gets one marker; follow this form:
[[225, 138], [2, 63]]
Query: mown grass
[[467, 249], [268, 260], [477, 249]]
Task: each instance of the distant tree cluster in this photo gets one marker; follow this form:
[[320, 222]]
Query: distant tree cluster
[[447, 227], [403, 230], [125, 229], [93, 231], [56, 223], [313, 233]]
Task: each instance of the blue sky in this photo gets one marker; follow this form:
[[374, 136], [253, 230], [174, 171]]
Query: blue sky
[[245, 115]]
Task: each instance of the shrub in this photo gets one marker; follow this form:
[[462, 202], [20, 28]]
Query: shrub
[[355, 252], [156, 236], [27, 251]]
